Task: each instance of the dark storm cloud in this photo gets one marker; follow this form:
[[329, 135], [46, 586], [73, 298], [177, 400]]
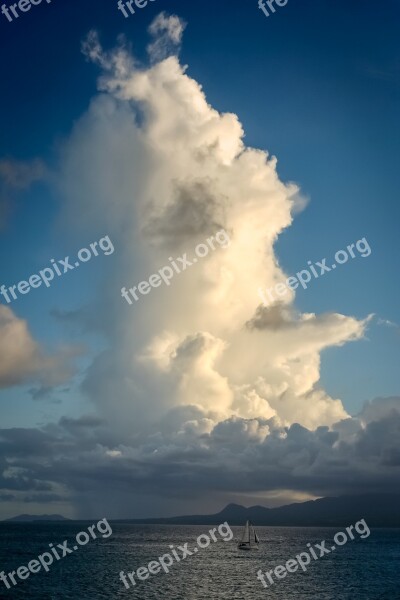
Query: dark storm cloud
[[26, 442], [42, 498], [239, 457], [7, 497]]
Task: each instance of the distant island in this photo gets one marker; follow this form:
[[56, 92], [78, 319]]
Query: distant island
[[33, 518]]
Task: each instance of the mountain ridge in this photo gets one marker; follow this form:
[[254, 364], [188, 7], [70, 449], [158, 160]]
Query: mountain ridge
[[379, 510], [25, 518]]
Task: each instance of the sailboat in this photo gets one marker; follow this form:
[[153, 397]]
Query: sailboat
[[250, 539]]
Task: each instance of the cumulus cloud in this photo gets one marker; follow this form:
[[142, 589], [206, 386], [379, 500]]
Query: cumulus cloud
[[22, 359], [180, 172]]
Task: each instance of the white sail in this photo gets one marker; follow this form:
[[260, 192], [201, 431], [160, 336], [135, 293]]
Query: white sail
[[246, 534], [253, 535], [256, 538]]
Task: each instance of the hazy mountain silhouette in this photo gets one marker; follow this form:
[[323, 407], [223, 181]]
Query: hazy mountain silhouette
[[379, 510], [32, 518]]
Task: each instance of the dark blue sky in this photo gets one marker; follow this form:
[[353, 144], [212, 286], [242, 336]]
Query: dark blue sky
[[316, 84]]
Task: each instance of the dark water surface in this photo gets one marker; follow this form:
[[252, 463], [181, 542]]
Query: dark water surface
[[363, 569]]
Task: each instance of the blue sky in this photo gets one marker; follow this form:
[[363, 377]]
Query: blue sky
[[316, 84]]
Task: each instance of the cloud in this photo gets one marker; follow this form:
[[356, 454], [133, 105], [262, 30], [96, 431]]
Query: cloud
[[387, 323], [43, 392], [189, 457], [7, 497], [42, 498], [167, 32], [17, 176], [378, 409], [22, 360], [180, 172]]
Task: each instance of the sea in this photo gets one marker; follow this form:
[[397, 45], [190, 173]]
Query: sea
[[363, 569]]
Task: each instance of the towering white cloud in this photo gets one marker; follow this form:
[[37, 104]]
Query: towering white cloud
[[153, 162]]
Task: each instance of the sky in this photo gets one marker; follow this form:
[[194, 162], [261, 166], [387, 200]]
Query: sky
[[277, 135]]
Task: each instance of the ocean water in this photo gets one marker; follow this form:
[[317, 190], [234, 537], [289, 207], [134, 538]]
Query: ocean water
[[363, 569]]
